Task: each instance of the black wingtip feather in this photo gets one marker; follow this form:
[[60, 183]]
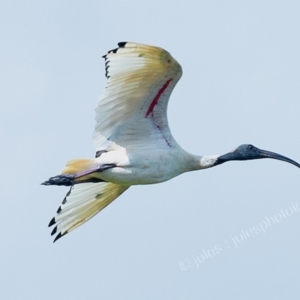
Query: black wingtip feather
[[59, 210], [59, 236], [122, 44], [52, 222], [54, 230], [113, 50]]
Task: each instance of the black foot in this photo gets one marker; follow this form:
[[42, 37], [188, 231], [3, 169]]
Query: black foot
[[66, 180]]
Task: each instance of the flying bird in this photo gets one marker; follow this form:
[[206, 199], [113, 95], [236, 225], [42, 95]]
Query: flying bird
[[134, 144]]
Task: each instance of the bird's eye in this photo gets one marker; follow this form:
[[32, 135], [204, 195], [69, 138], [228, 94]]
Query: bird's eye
[[250, 147]]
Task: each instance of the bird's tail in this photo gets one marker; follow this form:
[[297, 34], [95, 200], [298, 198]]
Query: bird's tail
[[79, 171], [81, 203]]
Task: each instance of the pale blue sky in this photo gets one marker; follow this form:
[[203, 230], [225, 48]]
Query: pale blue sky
[[240, 84]]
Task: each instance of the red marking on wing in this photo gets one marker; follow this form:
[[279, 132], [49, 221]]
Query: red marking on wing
[[156, 98]]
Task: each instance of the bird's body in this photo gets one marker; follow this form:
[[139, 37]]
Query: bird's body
[[146, 166], [134, 144]]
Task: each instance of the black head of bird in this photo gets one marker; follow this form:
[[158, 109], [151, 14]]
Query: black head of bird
[[248, 152]]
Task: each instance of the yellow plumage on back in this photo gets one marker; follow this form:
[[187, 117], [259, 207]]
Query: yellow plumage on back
[[78, 165]]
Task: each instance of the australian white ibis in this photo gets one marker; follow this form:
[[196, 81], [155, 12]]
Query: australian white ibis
[[134, 144]]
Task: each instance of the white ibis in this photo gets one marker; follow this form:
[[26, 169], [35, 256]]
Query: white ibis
[[134, 144]]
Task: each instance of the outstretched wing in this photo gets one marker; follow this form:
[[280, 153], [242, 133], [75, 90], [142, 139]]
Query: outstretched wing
[[132, 108], [131, 113], [81, 203]]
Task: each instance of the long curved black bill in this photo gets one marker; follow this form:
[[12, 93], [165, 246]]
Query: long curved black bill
[[269, 154]]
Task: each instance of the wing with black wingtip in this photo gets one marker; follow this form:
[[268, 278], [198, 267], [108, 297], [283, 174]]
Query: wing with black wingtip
[[140, 79], [81, 203]]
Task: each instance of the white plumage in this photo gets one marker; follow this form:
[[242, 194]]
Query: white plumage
[[133, 141]]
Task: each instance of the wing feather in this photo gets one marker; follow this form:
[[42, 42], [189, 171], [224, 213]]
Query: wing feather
[[136, 73], [131, 113], [81, 203]]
